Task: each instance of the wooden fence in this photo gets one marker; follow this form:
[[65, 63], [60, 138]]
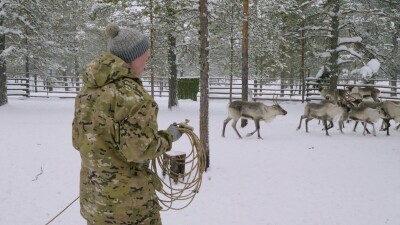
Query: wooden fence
[[267, 89], [390, 89], [219, 88]]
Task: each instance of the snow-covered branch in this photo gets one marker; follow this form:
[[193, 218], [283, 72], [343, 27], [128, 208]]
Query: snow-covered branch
[[343, 48], [349, 40], [6, 52], [4, 30], [316, 28]]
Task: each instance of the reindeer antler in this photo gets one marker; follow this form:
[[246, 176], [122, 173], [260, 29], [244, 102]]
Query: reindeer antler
[[275, 99]]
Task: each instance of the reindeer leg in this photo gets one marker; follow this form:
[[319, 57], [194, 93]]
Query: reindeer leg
[[373, 127], [387, 125], [301, 118], [355, 126], [308, 119], [257, 124], [234, 122], [226, 121], [365, 127], [341, 126], [330, 125], [326, 127], [383, 125]]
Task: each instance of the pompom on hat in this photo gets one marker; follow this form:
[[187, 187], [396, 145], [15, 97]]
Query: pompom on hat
[[126, 43]]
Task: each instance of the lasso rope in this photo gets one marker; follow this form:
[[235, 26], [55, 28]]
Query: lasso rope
[[62, 211], [179, 189]]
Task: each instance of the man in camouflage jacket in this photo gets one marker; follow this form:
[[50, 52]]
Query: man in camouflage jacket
[[115, 130]]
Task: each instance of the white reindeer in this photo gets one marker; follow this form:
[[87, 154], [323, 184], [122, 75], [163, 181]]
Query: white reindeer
[[368, 104], [333, 95], [364, 114], [256, 111], [392, 110], [364, 92], [324, 110]]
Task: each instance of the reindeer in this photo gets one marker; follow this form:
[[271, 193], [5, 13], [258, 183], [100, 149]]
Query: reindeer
[[333, 95], [324, 110], [364, 114], [252, 110], [364, 92], [392, 110], [369, 104]]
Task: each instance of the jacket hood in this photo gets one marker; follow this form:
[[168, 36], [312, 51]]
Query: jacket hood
[[106, 69]]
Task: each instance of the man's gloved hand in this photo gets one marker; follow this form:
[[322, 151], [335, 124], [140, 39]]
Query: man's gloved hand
[[174, 132]]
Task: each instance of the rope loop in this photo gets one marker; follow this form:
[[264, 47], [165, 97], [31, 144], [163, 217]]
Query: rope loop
[[182, 172]]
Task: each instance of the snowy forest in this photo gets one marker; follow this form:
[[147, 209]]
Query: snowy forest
[[250, 38]]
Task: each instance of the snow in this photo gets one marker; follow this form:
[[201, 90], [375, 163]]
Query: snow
[[347, 40], [320, 72], [324, 55], [374, 64], [6, 52], [368, 70], [288, 178], [351, 51]]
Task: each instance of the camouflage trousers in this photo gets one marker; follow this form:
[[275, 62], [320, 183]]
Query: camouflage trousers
[[156, 220]]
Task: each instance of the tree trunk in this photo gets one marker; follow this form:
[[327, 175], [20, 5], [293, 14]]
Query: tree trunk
[[65, 78], [245, 50], [173, 96], [231, 59], [204, 69], [152, 36], [245, 54], [27, 74], [27, 65], [3, 77], [77, 77], [395, 57], [333, 61], [303, 65]]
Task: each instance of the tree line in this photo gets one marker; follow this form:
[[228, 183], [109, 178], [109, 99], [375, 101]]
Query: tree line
[[260, 39]]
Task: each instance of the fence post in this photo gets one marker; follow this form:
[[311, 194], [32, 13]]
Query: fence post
[[27, 83], [393, 83]]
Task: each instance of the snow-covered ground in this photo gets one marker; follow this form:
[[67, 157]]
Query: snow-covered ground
[[288, 178]]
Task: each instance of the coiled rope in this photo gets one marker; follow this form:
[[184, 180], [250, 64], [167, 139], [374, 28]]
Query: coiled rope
[[179, 189]]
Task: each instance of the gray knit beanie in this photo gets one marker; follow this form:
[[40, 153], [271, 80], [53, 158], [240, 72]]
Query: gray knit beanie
[[127, 44]]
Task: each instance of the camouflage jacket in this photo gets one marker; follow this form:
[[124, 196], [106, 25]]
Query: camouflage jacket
[[115, 130]]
